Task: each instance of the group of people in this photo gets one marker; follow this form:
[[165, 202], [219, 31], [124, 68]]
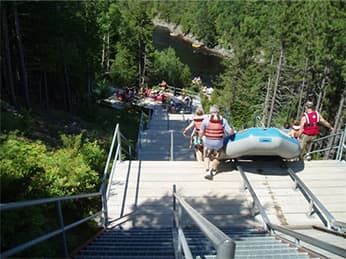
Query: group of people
[[307, 129], [208, 138], [208, 132]]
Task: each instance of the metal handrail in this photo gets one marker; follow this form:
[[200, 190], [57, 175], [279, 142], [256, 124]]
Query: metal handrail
[[60, 231], [341, 146], [332, 223], [297, 236], [103, 193], [256, 201], [310, 240], [225, 246]]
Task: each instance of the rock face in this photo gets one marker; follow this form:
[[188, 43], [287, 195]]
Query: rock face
[[176, 30]]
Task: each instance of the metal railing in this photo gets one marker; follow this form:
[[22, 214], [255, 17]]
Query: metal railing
[[316, 204], [225, 246], [275, 229], [340, 147], [62, 228]]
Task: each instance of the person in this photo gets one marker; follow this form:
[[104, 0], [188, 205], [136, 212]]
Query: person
[[309, 127], [212, 130], [294, 130], [195, 140]]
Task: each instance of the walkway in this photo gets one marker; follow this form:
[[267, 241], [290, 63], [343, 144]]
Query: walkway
[[163, 140]]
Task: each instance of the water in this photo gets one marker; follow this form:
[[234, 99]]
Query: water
[[201, 64]]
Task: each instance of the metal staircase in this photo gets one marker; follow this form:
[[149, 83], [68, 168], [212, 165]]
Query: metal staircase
[[143, 218], [144, 243], [249, 244]]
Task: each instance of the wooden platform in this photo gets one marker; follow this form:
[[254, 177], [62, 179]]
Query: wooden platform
[[148, 192]]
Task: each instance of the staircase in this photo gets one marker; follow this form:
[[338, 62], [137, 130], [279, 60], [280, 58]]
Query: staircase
[[141, 243], [140, 204], [249, 244], [157, 243]]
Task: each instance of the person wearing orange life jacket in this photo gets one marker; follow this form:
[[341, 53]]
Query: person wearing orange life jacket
[[195, 140], [213, 129], [309, 127]]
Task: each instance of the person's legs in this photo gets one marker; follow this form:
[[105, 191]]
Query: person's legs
[[215, 161], [306, 141], [206, 158], [199, 153]]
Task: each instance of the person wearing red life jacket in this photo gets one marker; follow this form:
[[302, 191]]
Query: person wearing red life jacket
[[195, 140], [310, 127], [213, 129]]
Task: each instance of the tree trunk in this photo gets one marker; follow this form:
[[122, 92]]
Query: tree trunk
[[300, 108], [67, 88], [103, 51], [266, 101], [45, 83], [7, 60], [21, 56], [337, 125], [321, 90], [278, 71], [108, 54]]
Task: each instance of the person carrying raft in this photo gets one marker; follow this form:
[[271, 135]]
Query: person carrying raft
[[195, 140]]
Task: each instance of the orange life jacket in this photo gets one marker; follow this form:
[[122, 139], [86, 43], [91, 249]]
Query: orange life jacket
[[311, 126], [214, 129]]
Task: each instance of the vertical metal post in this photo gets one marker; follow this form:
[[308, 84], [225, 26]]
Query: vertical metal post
[[172, 146], [179, 231], [119, 143], [225, 250], [341, 145], [62, 226], [174, 200], [104, 206]]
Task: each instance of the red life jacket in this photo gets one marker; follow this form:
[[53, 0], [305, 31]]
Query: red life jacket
[[214, 129], [311, 126], [197, 122]]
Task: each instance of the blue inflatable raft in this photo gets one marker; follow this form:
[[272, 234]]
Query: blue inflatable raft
[[262, 142]]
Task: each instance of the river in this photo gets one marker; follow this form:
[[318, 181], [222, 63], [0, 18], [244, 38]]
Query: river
[[201, 64]]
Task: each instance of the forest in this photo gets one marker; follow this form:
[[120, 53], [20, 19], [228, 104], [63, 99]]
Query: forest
[[58, 58]]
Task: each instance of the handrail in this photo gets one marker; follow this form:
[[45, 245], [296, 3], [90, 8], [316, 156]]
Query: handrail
[[256, 201], [310, 240], [225, 246], [297, 236], [315, 202], [62, 229], [341, 146]]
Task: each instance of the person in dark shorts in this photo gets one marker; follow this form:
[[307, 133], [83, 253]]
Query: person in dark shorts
[[213, 129]]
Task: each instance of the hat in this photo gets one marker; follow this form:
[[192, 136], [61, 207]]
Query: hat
[[214, 108], [309, 104]]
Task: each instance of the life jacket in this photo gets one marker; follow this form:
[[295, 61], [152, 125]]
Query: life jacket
[[197, 122], [214, 129], [311, 126]]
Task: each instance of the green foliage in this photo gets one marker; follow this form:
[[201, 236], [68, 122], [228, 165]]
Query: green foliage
[[29, 170], [123, 69], [166, 65], [11, 121]]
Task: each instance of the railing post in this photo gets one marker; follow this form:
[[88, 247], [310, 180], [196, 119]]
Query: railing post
[[119, 143], [62, 226], [225, 250], [104, 206], [172, 146], [341, 145]]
